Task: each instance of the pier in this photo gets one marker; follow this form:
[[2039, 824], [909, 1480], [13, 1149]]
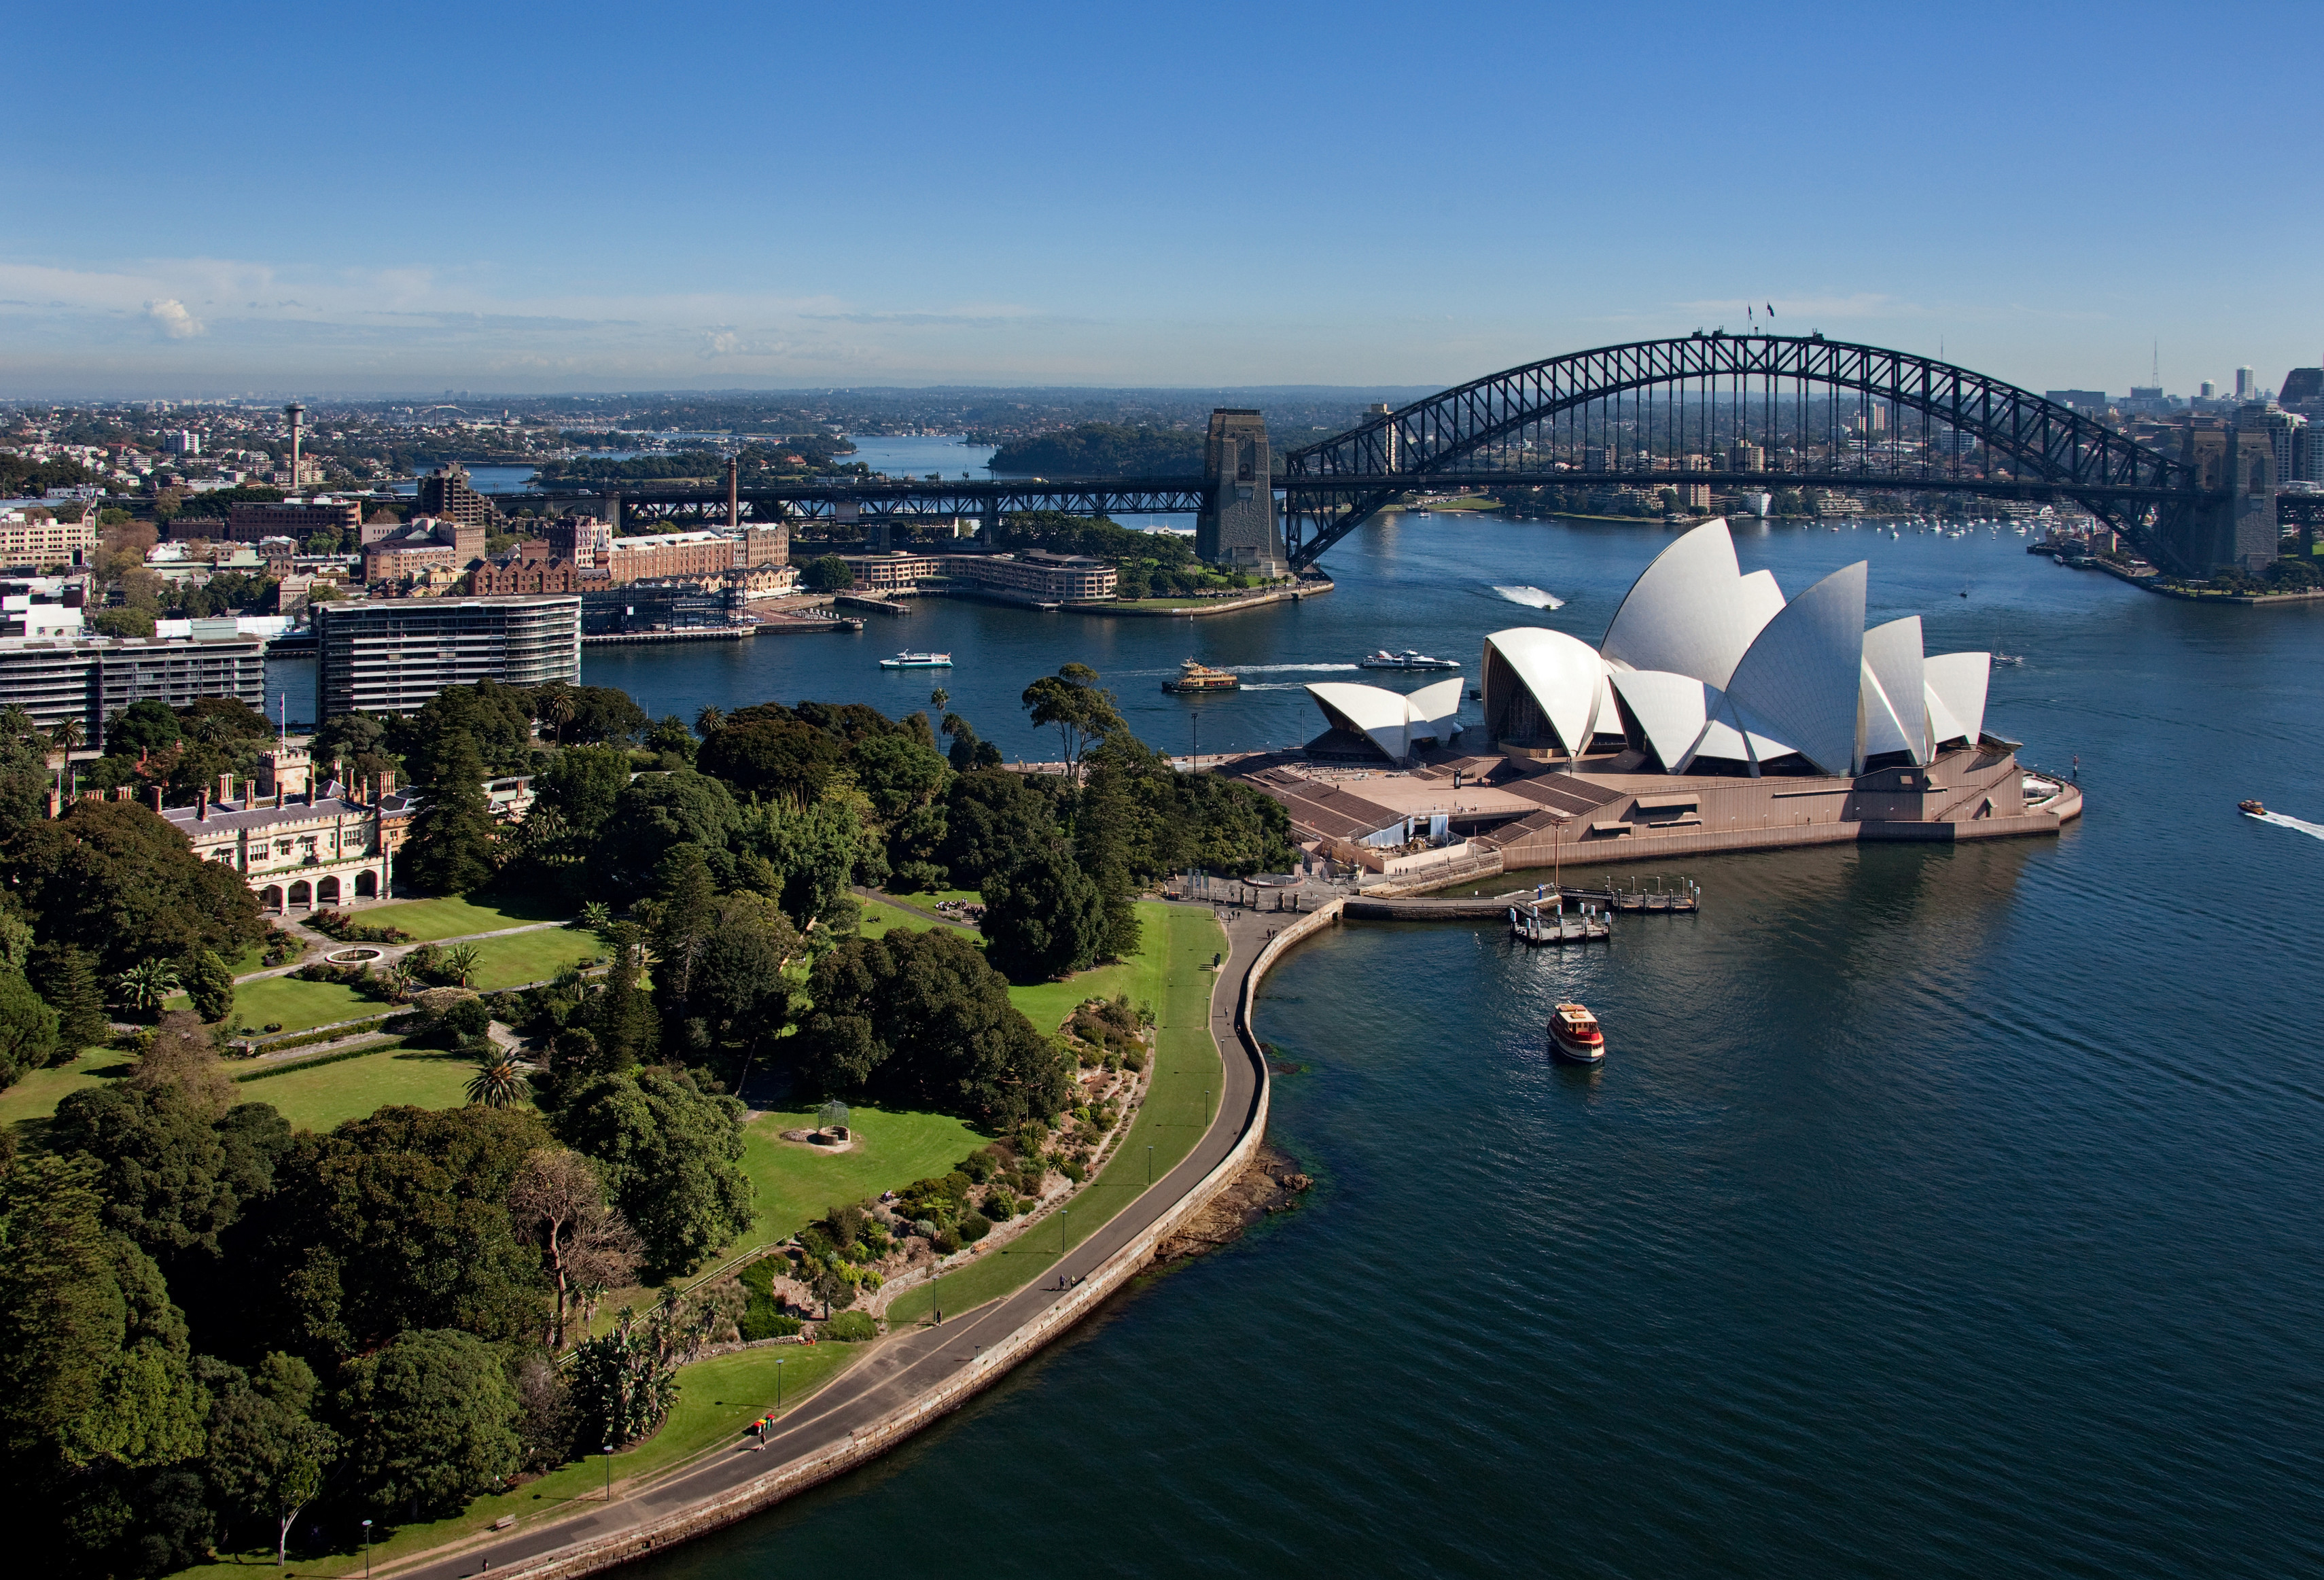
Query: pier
[[643, 638]]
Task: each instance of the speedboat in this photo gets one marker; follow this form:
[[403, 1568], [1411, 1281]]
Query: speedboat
[[912, 661], [2251, 808], [1409, 659], [1574, 1034]]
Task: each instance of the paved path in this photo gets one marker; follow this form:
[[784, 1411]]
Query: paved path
[[906, 1364]]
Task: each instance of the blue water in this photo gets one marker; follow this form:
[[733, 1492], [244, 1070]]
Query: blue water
[[1939, 1211], [916, 455]]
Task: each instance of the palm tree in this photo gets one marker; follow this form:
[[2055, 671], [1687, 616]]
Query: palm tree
[[499, 1081], [461, 959], [66, 738], [558, 710], [707, 722], [938, 698], [597, 916], [148, 984], [401, 976]]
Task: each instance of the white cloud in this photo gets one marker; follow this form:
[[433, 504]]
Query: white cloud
[[170, 316]]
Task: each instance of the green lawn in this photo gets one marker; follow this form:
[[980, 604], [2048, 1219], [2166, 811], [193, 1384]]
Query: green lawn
[[301, 1005], [454, 917], [524, 957], [1170, 970], [927, 900], [716, 1400], [796, 1185], [1048, 1003], [322, 1096], [880, 918], [27, 1106]]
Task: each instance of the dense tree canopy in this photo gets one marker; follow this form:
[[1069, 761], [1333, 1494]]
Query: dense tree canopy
[[433, 1416], [921, 1020], [669, 1155], [1043, 917], [771, 751], [112, 879]]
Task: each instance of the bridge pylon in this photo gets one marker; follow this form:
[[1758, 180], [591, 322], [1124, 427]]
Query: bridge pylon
[[1239, 529]]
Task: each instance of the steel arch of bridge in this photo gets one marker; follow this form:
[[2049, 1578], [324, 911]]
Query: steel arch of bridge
[[1334, 485]]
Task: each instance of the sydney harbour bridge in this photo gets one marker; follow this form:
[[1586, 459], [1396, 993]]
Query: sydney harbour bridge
[[1754, 412]]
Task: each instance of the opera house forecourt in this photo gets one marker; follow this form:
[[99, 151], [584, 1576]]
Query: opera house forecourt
[[1715, 715]]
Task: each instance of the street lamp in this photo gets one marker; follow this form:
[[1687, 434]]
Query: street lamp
[[779, 1388], [1061, 1242], [1206, 1108], [366, 1547], [609, 1473], [1150, 1165]]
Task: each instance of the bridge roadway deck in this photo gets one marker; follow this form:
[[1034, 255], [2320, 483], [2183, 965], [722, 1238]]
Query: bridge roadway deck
[[901, 1369]]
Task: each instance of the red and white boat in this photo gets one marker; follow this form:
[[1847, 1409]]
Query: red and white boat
[[1574, 1033]]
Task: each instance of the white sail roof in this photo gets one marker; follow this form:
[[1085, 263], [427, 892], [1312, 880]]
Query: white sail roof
[[1800, 683], [1894, 692], [1564, 675], [1692, 611], [1390, 720], [1672, 709], [1958, 681]]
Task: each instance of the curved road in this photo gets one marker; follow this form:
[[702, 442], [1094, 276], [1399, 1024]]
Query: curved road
[[904, 1366]]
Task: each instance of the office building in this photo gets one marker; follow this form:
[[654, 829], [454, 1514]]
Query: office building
[[392, 655], [181, 441], [2088, 403], [2246, 386], [584, 540], [91, 679]]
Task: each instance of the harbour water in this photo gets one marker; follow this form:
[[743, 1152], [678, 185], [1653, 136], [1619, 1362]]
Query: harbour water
[[1936, 1212]]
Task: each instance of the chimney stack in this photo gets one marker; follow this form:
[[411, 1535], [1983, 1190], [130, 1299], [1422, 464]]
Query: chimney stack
[[202, 805], [225, 787], [154, 799]]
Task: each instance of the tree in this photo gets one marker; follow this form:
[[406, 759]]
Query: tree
[[649, 816], [770, 750], [558, 707], [828, 574], [624, 1383], [388, 1224], [143, 727], [668, 1153], [210, 985], [94, 1370], [147, 984], [175, 1172], [1082, 714], [991, 816], [461, 960], [810, 853], [582, 784], [1043, 917], [499, 1082], [621, 1014], [707, 721], [557, 1202], [921, 1020], [111, 878], [121, 622], [433, 1417], [267, 1458], [28, 1028], [669, 738], [66, 978], [451, 850]]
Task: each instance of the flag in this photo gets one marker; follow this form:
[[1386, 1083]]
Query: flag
[[1771, 310]]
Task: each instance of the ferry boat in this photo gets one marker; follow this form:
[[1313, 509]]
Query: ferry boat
[[912, 661], [1574, 1033], [1409, 659], [2251, 808], [1196, 677]]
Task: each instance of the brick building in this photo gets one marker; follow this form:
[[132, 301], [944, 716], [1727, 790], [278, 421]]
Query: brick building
[[426, 544], [291, 518]]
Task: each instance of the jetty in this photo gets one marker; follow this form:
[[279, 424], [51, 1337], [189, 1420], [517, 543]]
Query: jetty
[[793, 624], [690, 633]]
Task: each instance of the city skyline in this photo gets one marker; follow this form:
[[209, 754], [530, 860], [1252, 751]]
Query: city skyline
[[732, 200]]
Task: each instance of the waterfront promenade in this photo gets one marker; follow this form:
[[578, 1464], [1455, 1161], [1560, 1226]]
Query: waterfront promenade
[[912, 1378]]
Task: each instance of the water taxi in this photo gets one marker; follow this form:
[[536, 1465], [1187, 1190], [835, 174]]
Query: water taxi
[[912, 661], [1409, 659], [1196, 676], [2251, 808], [1574, 1033]]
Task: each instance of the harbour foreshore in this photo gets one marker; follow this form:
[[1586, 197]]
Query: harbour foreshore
[[913, 1378]]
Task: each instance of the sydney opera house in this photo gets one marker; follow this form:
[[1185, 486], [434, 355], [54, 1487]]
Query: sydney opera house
[[1715, 713]]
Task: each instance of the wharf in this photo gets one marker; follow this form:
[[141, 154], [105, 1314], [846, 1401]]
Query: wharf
[[877, 606], [788, 625], [643, 638], [1556, 929]]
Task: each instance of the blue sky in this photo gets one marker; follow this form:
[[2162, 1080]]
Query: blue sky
[[318, 199]]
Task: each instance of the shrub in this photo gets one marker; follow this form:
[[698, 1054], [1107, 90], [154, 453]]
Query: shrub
[[972, 1229], [849, 1327], [947, 1240], [999, 1205], [1073, 1170], [1135, 1059]]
